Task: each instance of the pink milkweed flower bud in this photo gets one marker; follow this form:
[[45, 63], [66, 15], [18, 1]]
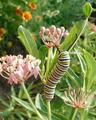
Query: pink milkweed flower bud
[[4, 66], [66, 33], [59, 31], [12, 79], [19, 75], [1, 68], [52, 29], [47, 31], [36, 71], [62, 29], [94, 29], [52, 36], [42, 29]]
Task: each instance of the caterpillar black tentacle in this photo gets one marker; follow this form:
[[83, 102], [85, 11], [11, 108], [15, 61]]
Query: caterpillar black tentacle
[[58, 71]]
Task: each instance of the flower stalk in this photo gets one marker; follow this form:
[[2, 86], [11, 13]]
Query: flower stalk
[[49, 110], [86, 21], [48, 61], [74, 114], [31, 102]]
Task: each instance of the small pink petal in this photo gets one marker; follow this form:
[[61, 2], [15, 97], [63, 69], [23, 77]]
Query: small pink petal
[[36, 71], [12, 79], [94, 29], [1, 68]]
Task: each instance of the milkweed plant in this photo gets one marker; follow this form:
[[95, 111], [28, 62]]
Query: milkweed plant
[[56, 81]]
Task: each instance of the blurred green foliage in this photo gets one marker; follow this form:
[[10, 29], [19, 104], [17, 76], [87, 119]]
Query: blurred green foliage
[[81, 73], [48, 12]]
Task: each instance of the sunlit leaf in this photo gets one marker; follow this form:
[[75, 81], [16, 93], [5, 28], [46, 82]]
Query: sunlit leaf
[[42, 53], [23, 103], [87, 9], [91, 69], [74, 77], [40, 104], [71, 39], [26, 38]]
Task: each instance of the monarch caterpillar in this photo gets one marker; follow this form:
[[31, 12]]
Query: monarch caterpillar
[[59, 69]]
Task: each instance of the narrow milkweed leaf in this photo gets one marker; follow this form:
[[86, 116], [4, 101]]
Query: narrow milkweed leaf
[[23, 103], [25, 37]]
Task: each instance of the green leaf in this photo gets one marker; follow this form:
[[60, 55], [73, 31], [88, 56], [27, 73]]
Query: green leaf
[[23, 103], [82, 63], [58, 116], [74, 35], [13, 94], [26, 38], [60, 94], [40, 104], [3, 102], [91, 69], [87, 9], [6, 112], [74, 77], [94, 1], [55, 106], [42, 52]]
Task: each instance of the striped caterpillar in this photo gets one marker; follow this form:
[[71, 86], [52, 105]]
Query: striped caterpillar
[[58, 71]]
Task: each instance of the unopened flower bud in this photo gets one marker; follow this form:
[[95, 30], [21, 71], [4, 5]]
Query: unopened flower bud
[[66, 34], [94, 29], [59, 31], [62, 29], [52, 29], [0, 68], [47, 31], [42, 30]]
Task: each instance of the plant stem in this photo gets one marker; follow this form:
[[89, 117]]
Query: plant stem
[[72, 78], [84, 84], [83, 113], [82, 118], [31, 102], [49, 110], [74, 114], [48, 61], [79, 34]]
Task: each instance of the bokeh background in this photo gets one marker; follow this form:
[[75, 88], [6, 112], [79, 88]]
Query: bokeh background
[[33, 14]]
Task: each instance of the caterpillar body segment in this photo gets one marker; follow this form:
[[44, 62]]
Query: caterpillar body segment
[[57, 73]]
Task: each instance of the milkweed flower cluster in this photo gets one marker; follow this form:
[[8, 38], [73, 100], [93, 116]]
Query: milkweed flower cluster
[[78, 98], [17, 69], [52, 36]]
